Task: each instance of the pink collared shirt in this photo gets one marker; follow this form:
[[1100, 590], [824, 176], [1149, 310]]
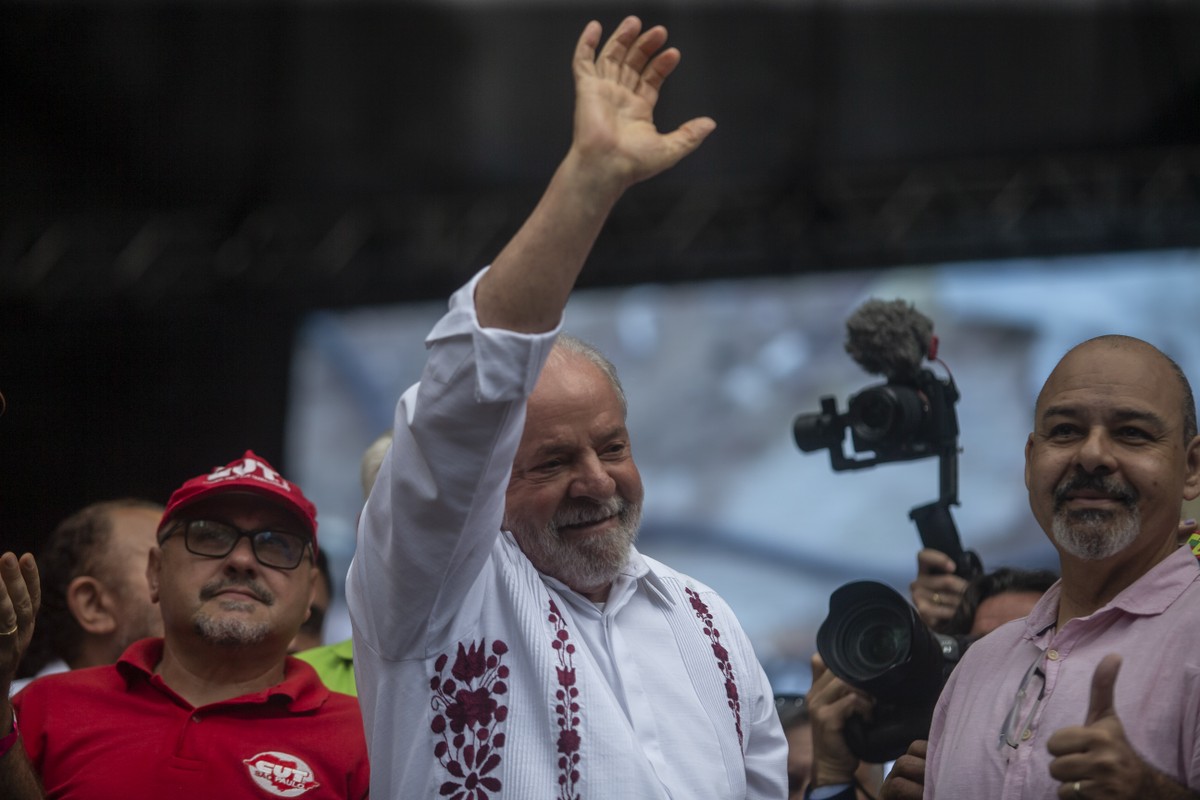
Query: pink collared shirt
[[1154, 625]]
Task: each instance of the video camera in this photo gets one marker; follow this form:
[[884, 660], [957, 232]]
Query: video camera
[[909, 417], [873, 639]]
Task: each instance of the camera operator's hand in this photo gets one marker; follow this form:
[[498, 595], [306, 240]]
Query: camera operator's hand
[[1096, 761], [830, 702], [906, 781], [937, 590]]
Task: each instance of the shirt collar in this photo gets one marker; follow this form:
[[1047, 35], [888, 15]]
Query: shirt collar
[[300, 690], [1151, 594]]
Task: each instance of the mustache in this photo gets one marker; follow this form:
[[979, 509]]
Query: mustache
[[1101, 484], [583, 512], [255, 588]]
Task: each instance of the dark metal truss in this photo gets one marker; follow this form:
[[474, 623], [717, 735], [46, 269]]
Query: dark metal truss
[[308, 254]]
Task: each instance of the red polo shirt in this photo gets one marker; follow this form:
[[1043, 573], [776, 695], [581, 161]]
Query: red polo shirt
[[118, 732]]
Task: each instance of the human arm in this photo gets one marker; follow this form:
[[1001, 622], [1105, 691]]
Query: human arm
[[615, 145], [20, 596], [436, 507], [1098, 758], [937, 591]]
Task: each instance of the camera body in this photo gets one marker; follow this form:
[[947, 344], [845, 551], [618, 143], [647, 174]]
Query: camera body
[[900, 420], [875, 641], [905, 419]]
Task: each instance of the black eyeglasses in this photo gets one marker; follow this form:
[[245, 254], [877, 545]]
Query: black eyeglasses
[[212, 539]]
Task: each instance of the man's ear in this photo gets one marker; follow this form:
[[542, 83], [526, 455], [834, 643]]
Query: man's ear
[[1028, 452], [153, 567], [92, 605], [1191, 478], [314, 575]]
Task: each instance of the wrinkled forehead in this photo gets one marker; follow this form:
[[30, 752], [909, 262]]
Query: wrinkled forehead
[[569, 376], [1116, 372]]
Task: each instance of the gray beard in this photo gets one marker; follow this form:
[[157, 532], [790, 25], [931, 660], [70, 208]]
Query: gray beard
[[1095, 534], [228, 632], [586, 564]]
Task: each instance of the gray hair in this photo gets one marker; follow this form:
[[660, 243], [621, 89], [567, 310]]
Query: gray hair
[[573, 344]]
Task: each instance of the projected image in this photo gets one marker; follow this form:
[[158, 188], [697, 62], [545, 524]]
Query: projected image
[[716, 373]]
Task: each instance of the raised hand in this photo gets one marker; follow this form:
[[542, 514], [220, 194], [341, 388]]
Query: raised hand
[[20, 596], [1095, 760], [615, 95], [615, 145]]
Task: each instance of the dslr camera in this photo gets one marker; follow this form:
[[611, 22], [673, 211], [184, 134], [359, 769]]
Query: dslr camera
[[873, 639]]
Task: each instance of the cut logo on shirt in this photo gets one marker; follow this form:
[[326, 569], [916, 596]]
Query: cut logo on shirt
[[281, 774]]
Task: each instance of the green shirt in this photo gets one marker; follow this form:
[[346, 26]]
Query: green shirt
[[335, 664]]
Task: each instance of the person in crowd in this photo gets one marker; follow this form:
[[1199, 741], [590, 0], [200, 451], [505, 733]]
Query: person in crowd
[[1093, 694], [372, 460], [213, 708], [937, 593], [312, 630], [951, 605], [1113, 455], [798, 726], [335, 662], [95, 599], [997, 597], [509, 640]]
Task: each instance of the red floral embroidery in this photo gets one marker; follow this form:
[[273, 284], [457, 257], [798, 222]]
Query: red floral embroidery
[[465, 707], [566, 708], [731, 691]]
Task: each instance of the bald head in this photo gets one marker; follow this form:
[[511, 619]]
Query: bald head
[[1119, 343]]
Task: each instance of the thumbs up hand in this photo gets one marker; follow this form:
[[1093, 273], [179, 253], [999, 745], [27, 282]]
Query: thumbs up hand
[[1095, 760]]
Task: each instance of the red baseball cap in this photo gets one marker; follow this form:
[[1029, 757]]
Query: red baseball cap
[[248, 474]]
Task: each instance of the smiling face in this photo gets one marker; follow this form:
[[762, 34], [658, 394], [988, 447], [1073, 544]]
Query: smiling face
[[575, 498], [233, 600], [1107, 465]]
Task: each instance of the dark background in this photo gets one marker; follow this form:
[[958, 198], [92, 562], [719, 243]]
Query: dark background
[[181, 181]]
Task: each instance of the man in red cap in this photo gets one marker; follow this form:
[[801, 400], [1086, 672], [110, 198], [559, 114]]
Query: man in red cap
[[215, 707]]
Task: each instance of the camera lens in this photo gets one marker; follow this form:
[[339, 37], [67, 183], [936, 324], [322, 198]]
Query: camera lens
[[886, 415], [880, 646], [872, 639], [875, 641]]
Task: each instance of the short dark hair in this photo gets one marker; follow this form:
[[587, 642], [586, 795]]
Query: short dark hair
[[72, 549], [990, 584]]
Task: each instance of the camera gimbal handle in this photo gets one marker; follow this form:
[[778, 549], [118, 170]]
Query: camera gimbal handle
[[937, 530]]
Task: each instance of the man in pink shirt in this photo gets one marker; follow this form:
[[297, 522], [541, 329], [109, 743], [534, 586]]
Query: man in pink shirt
[[1096, 694], [1034, 710]]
